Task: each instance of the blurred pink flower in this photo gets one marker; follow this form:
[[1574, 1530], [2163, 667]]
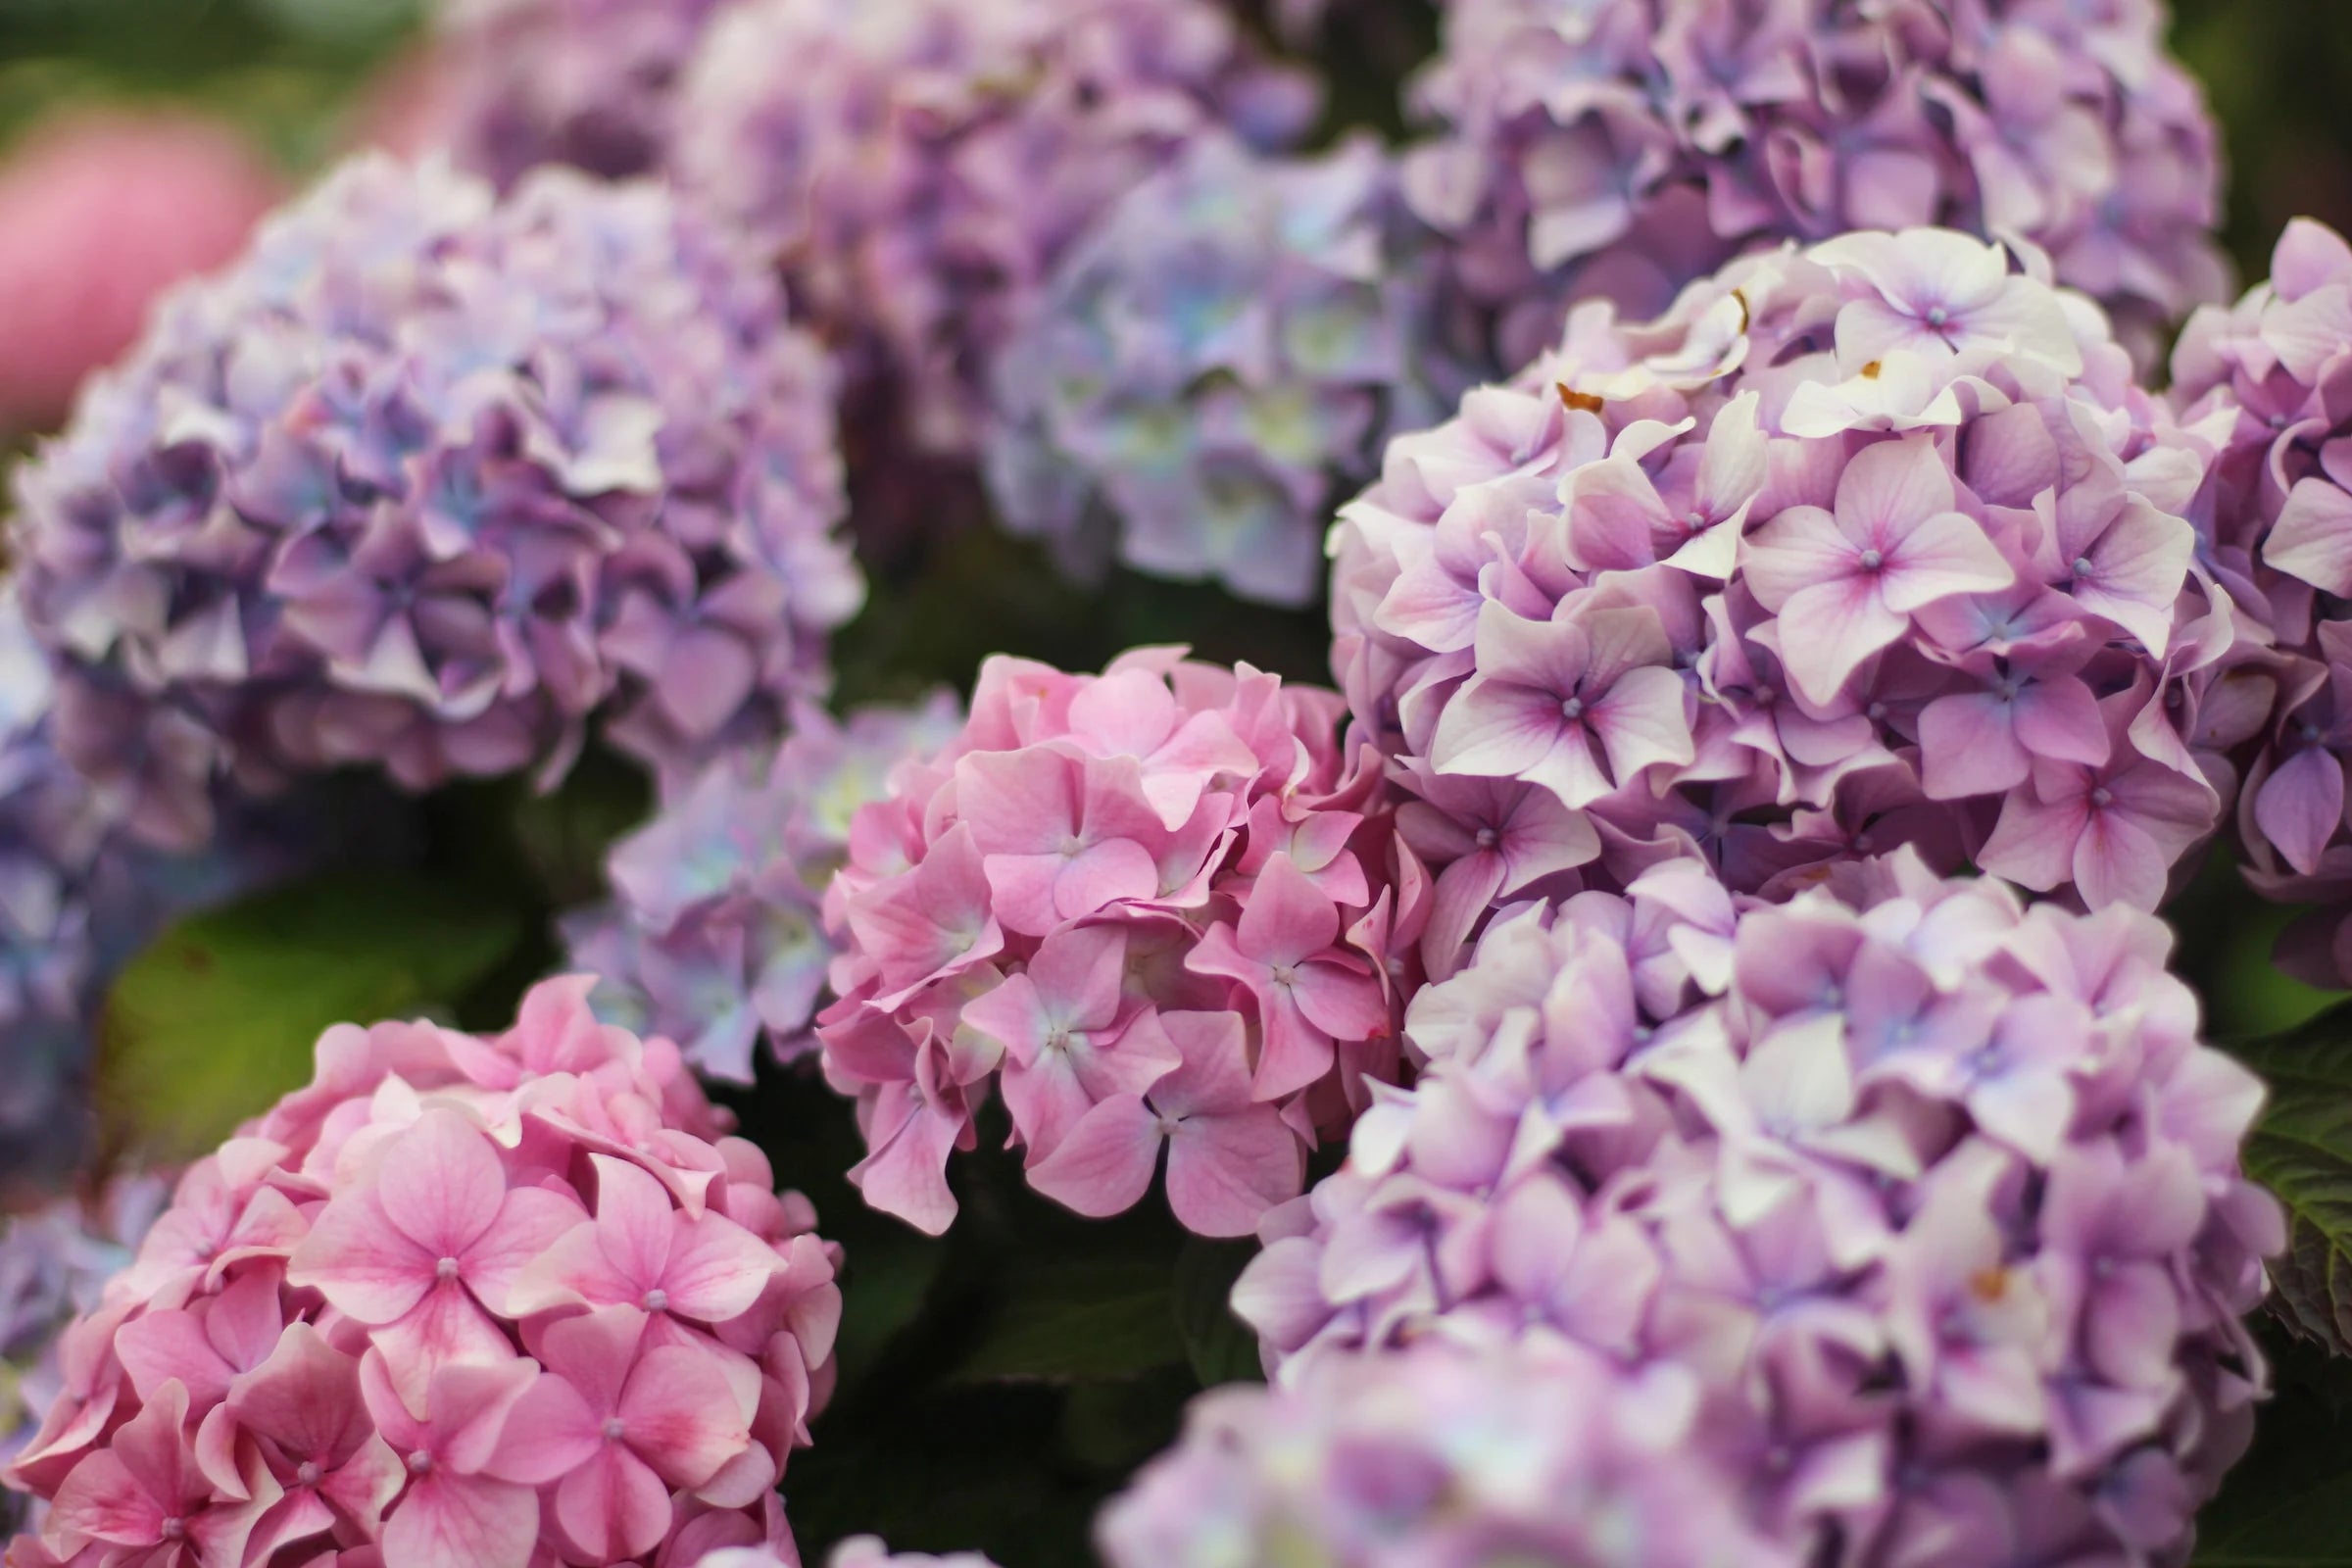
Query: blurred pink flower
[[98, 214]]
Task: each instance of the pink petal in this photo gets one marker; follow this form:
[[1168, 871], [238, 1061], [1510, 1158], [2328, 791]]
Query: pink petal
[[364, 1267], [1018, 803], [716, 1269], [1098, 876], [440, 1183], [1641, 722], [2299, 807], [613, 1507], [305, 1398], [101, 1502], [2116, 861], [681, 1416], [455, 1521], [1941, 555], [2312, 536], [904, 1172], [529, 1221], [1213, 1072], [1103, 1164], [1342, 1002], [1224, 1172], [1826, 631], [1293, 1053], [1286, 917], [448, 1327], [1968, 743], [550, 1433], [2033, 844], [2060, 719], [1796, 549], [1495, 729], [706, 679]]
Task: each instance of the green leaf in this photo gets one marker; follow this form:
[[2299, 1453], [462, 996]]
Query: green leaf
[[1220, 1345], [217, 1020], [2302, 1151], [1075, 1323]]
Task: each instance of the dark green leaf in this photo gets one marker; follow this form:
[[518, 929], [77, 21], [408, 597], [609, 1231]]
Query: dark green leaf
[[218, 1018], [1221, 1346], [2302, 1151], [1077, 1322]]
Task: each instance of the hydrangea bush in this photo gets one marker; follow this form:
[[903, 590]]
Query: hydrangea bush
[[1156, 907], [470, 1302], [918, 167], [429, 481], [1940, 1195], [1621, 148], [1867, 544], [1235, 337]]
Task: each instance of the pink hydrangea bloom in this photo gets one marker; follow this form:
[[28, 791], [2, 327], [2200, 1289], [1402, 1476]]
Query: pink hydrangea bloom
[[190, 188], [1620, 148], [2259, 384], [1938, 1196], [462, 1302], [1442, 1456], [1154, 906], [1867, 544]]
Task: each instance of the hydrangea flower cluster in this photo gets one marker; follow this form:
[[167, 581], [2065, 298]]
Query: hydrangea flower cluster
[[54, 1263], [463, 1302], [1445, 1456], [716, 934], [593, 83], [1232, 341], [2260, 383], [919, 166], [1156, 905], [1938, 1196], [428, 482], [1622, 148], [1868, 544]]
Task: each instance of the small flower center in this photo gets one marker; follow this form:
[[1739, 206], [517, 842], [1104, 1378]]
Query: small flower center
[[614, 1429], [2081, 566], [446, 1269], [1058, 1038], [1862, 843], [655, 1301], [1872, 560], [1284, 974], [172, 1528], [1166, 1126], [308, 1473], [421, 1463], [1573, 709], [1486, 838], [1071, 844], [1938, 316], [1694, 519], [2102, 797]]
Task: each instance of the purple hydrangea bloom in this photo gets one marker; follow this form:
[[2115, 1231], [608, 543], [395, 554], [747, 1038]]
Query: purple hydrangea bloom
[[919, 166], [716, 934], [592, 83], [54, 1265], [1235, 339], [428, 482], [2261, 385], [1938, 1196], [1445, 1456], [1868, 544], [1620, 148]]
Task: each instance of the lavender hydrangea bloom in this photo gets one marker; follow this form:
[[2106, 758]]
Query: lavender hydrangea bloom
[[716, 934], [54, 1265], [428, 482], [1938, 1196], [1235, 338], [1620, 148], [919, 166], [1442, 1456], [2260, 383], [1869, 544], [588, 82]]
